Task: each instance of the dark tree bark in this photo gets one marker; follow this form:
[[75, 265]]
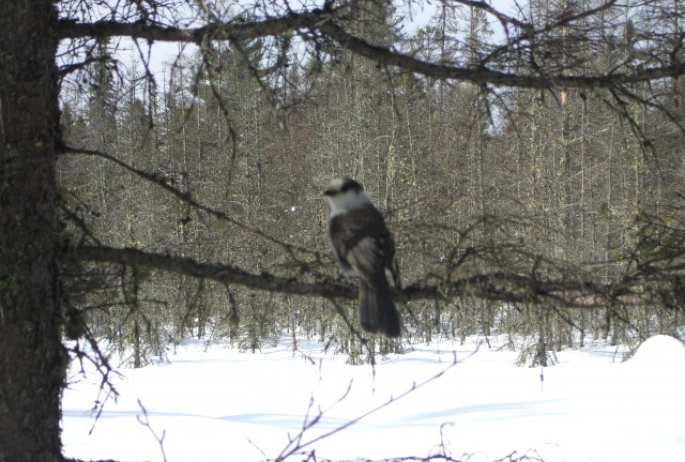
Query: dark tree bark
[[32, 359]]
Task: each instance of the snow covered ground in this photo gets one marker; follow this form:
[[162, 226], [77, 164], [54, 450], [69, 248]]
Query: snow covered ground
[[224, 405]]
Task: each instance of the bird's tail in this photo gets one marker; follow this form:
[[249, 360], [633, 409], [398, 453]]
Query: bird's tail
[[377, 310]]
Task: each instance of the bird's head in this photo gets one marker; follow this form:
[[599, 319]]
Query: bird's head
[[345, 194]]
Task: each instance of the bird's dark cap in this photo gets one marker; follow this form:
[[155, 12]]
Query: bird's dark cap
[[341, 185]]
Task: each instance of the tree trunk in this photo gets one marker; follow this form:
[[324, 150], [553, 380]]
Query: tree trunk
[[32, 359]]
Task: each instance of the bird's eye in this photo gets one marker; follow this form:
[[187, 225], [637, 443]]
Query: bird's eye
[[345, 188]]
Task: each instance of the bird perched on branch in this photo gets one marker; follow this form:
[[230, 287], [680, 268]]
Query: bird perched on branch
[[364, 249]]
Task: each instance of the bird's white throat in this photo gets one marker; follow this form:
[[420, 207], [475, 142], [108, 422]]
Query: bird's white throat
[[343, 203]]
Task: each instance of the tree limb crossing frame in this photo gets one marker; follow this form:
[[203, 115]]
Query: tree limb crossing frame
[[325, 22], [499, 287]]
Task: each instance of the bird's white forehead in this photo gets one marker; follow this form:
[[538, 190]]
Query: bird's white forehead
[[336, 184]]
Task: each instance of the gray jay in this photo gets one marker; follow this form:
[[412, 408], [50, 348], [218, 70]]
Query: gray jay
[[364, 249]]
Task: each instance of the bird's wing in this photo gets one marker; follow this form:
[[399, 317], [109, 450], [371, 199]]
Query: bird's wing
[[365, 243], [368, 259], [340, 234]]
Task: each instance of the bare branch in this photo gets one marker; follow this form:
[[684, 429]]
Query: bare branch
[[238, 30], [223, 273], [482, 75], [184, 197], [500, 287], [324, 22]]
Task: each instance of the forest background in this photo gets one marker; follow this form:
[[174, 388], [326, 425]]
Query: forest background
[[538, 213]]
